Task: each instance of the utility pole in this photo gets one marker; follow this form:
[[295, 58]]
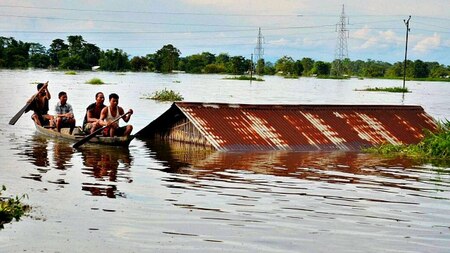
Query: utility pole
[[259, 50], [341, 51], [406, 50]]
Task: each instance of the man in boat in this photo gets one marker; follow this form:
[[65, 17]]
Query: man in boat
[[64, 113], [91, 120], [110, 113], [40, 107]]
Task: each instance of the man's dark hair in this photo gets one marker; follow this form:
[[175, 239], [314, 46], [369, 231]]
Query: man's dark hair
[[62, 93], [39, 86], [113, 95], [98, 93]]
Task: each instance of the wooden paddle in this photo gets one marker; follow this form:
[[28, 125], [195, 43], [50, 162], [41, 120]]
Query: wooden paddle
[[87, 138], [19, 114]]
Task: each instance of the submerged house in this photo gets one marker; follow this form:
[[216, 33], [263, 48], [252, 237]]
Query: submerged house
[[244, 127]]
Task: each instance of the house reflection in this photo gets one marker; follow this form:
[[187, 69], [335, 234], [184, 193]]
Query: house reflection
[[331, 167], [106, 166]]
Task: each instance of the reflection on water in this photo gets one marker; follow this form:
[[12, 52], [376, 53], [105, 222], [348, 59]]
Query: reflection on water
[[107, 165], [36, 150], [104, 166]]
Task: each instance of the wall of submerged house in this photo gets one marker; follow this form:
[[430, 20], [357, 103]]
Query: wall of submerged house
[[184, 131]]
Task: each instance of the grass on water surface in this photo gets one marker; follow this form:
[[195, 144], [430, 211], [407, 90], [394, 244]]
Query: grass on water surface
[[11, 208], [433, 146], [245, 78], [386, 89], [165, 95], [95, 81]]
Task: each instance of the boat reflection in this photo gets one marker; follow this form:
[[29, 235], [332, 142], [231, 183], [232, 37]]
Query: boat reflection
[[107, 166], [36, 151], [331, 167]]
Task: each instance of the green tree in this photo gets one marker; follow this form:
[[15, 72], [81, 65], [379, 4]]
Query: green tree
[[114, 60], [420, 69], [38, 56], [439, 71], [308, 65], [58, 50], [238, 65], [139, 63], [260, 65], [195, 63], [167, 58], [321, 68], [298, 68], [285, 65], [223, 58], [90, 54]]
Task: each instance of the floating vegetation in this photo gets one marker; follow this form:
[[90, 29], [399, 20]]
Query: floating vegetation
[[434, 145], [291, 77], [11, 208], [333, 77], [245, 78], [164, 96], [386, 89], [176, 81], [70, 73], [96, 81]]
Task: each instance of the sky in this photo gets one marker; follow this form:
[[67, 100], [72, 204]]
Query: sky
[[375, 29]]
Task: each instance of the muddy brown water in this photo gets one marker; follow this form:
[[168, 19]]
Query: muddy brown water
[[170, 197]]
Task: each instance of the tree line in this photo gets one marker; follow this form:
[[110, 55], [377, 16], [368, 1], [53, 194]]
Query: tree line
[[78, 54]]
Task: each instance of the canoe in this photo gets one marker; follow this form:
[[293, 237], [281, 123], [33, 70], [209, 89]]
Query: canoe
[[78, 134]]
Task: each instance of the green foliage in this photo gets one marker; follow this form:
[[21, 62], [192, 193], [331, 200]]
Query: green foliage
[[388, 89], [71, 73], [321, 68], [11, 208], [139, 63], [167, 58], [165, 95], [77, 54], [435, 145], [95, 81], [214, 68], [114, 60], [245, 78]]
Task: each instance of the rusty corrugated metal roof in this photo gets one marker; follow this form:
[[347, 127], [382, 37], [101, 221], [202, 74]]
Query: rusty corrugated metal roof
[[240, 127]]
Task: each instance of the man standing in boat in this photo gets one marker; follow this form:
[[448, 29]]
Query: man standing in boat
[[110, 113], [40, 107], [92, 118], [64, 113]]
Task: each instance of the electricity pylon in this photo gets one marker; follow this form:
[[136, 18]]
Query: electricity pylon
[[259, 50], [341, 51]]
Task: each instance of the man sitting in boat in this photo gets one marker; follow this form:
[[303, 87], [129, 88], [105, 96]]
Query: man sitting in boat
[[40, 107], [91, 120], [64, 113], [110, 113]]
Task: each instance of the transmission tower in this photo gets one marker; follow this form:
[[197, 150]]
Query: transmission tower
[[341, 51], [259, 50]]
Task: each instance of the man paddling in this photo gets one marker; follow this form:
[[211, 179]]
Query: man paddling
[[110, 113], [40, 107], [92, 118]]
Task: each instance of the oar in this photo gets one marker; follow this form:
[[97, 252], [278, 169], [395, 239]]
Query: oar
[[19, 114], [87, 138]]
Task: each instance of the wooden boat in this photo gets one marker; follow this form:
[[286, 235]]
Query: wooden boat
[[78, 134]]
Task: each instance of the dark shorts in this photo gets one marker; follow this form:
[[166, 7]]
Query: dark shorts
[[119, 131]]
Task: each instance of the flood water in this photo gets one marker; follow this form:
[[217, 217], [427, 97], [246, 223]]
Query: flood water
[[170, 197]]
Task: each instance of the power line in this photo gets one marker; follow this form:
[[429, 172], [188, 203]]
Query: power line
[[151, 12], [341, 51]]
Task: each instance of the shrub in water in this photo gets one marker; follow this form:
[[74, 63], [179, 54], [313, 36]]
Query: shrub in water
[[95, 81]]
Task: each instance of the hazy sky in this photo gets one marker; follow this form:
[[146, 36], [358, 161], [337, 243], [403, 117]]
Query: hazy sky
[[297, 28]]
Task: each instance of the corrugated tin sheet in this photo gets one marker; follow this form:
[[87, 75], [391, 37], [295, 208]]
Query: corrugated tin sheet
[[239, 127]]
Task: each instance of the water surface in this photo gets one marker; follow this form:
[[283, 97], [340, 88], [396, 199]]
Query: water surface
[[169, 197]]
